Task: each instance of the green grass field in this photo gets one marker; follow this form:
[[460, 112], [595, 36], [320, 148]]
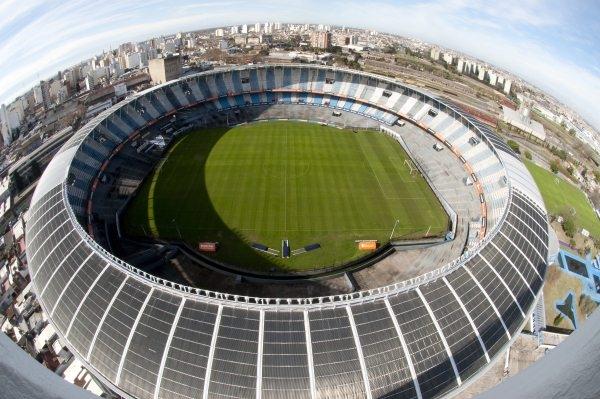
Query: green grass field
[[561, 196], [269, 181]]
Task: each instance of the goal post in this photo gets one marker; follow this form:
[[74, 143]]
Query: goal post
[[410, 165]]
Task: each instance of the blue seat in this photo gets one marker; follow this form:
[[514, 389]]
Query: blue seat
[[114, 129], [157, 104], [172, 97], [239, 100], [204, 88], [254, 86], [187, 92], [303, 79], [221, 85], [237, 82], [287, 77], [320, 80], [317, 99], [287, 97], [270, 78], [127, 119], [224, 103]]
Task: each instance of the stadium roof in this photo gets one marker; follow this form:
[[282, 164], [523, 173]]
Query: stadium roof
[[147, 338]]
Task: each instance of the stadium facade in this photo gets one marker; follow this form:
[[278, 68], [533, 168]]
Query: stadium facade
[[427, 337]]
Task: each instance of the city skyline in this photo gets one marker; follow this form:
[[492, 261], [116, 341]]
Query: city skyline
[[207, 199], [538, 41]]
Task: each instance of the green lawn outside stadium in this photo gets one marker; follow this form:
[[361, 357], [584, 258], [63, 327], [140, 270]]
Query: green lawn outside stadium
[[269, 181], [561, 196]]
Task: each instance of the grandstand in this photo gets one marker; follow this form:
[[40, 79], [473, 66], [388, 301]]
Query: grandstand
[[423, 337]]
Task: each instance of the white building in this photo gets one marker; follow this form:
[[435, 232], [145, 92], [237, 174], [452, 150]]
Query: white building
[[244, 29], [507, 85], [523, 122], [447, 58], [546, 113], [481, 74], [257, 27], [133, 60], [219, 32], [460, 66], [115, 69], [5, 126], [89, 82], [234, 30], [37, 95], [434, 54]]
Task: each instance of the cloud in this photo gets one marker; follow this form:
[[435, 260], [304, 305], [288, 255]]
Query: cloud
[[541, 41]]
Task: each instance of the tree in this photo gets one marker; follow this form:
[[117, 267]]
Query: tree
[[569, 226], [587, 304], [554, 166], [514, 146], [558, 319], [528, 155], [389, 50], [562, 154]]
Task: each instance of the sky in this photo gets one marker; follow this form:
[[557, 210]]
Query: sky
[[553, 44]]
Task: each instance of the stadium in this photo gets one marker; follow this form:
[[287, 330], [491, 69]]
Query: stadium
[[420, 324]]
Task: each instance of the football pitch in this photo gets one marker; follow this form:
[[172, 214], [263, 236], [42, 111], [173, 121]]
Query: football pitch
[[563, 198], [269, 181]]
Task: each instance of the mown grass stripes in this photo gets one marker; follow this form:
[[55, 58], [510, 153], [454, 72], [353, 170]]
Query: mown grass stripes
[[270, 181]]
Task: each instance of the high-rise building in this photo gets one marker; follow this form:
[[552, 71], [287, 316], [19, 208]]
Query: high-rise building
[[459, 66], [244, 29], [234, 30], [115, 69], [219, 32], [447, 57], [321, 39], [45, 93], [481, 74], [507, 85], [434, 54], [164, 69], [137, 60], [5, 126], [37, 95], [257, 27], [265, 39], [89, 82]]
